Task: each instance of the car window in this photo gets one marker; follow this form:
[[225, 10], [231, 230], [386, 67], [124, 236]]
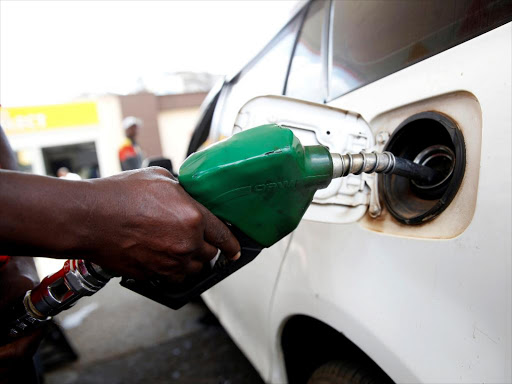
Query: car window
[[202, 129], [306, 79], [264, 75], [372, 39]]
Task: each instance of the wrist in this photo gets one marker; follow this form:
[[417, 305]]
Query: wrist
[[97, 216], [79, 223], [45, 216], [68, 212]]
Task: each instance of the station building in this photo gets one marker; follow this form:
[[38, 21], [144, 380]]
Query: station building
[[85, 135]]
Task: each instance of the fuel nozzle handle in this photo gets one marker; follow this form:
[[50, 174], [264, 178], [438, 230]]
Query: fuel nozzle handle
[[54, 294], [384, 162]]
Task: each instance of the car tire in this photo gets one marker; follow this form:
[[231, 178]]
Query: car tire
[[342, 372]]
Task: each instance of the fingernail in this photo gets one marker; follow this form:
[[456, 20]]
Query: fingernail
[[237, 256]]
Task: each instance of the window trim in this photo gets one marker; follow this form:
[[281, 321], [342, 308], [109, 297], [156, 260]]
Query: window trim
[[328, 50], [305, 11], [208, 107], [247, 67], [296, 19], [324, 47]]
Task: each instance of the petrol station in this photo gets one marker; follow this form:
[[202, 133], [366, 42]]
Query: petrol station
[[84, 135]]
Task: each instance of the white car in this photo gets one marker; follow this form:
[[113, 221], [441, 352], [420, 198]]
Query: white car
[[383, 280]]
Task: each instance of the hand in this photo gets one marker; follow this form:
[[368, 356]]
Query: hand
[[143, 224]]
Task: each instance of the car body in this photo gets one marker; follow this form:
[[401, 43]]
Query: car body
[[428, 302]]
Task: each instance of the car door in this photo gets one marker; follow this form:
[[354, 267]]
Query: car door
[[388, 277], [421, 284], [240, 303]]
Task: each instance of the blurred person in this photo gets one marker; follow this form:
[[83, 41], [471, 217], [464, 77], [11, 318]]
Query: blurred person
[[17, 275], [130, 154], [64, 173], [140, 224]]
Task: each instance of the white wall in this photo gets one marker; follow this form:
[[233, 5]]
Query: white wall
[[176, 128], [110, 136]]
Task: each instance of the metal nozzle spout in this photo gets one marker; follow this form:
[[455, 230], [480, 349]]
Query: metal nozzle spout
[[385, 162]]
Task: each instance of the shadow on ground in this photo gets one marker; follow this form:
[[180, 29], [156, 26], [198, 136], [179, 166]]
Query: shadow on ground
[[122, 337]]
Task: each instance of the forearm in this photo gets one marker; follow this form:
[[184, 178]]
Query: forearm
[[139, 223], [42, 215]]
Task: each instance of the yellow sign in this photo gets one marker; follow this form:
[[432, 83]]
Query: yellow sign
[[23, 120]]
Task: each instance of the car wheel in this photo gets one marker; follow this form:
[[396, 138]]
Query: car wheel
[[342, 372]]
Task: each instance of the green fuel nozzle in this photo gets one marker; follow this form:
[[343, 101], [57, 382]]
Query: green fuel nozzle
[[262, 180]]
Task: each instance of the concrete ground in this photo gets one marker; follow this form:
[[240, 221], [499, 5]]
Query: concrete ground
[[122, 337]]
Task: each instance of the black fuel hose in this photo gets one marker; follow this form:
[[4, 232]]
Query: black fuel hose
[[385, 162], [419, 173]]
